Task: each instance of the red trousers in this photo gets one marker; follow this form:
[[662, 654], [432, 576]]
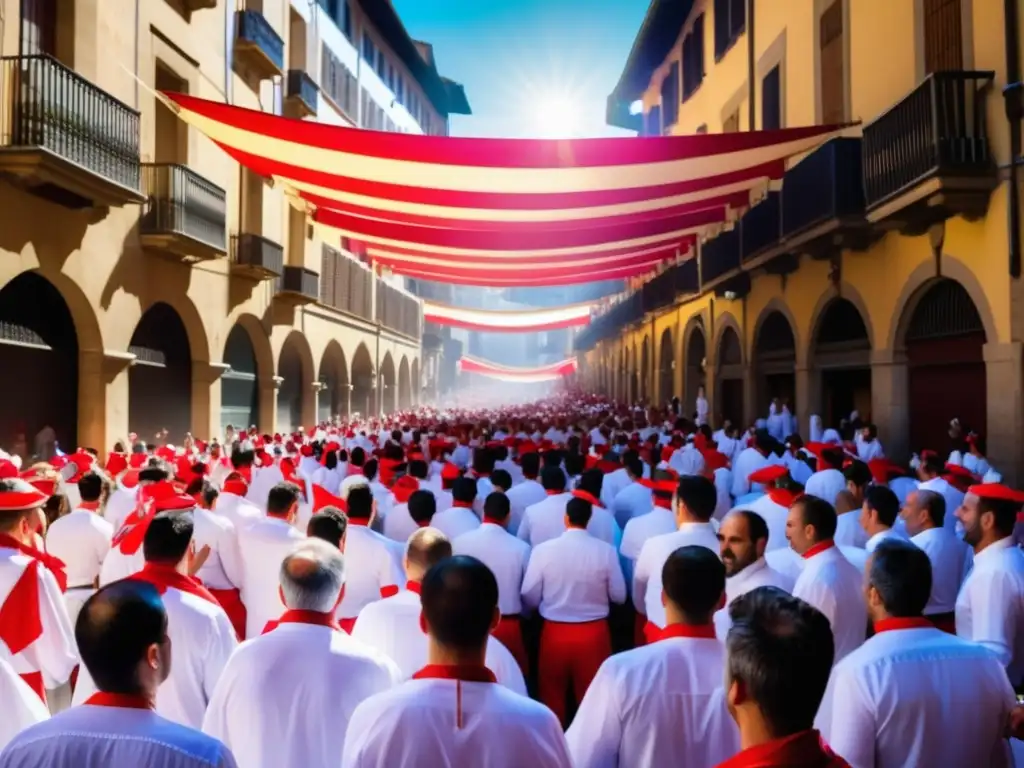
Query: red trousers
[[510, 634], [570, 654], [231, 601]]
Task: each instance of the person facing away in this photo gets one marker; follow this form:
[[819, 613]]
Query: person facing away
[[459, 518], [828, 581], [778, 657], [284, 698], [664, 704], [122, 635], [452, 712], [526, 493], [218, 556], [879, 511], [544, 520]]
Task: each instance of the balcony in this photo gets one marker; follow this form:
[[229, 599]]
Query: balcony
[[185, 215], [65, 139], [659, 292], [687, 277], [720, 256], [298, 285], [928, 158], [256, 257], [258, 48], [761, 228], [301, 94]]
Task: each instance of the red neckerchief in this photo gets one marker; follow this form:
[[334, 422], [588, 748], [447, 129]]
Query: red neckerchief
[[414, 586], [165, 577], [53, 564], [903, 622], [554, 493], [492, 521], [800, 750], [20, 622], [122, 700], [588, 497], [782, 496], [462, 504], [92, 506], [818, 548], [310, 617], [467, 673], [660, 501], [361, 522], [698, 631]]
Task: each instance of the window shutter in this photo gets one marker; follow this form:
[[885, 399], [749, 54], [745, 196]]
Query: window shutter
[[943, 35], [771, 98], [833, 102]]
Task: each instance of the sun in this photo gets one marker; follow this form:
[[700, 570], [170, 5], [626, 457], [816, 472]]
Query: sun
[[556, 116]]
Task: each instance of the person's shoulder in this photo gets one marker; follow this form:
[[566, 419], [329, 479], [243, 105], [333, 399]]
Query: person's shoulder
[[363, 654], [205, 749]]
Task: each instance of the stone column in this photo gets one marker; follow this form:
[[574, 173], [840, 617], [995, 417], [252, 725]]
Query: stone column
[[750, 413], [102, 398], [206, 399], [710, 394], [311, 404], [889, 401], [1004, 377], [269, 386], [808, 395]]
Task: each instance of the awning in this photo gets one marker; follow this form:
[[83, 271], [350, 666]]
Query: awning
[[537, 375], [508, 321]]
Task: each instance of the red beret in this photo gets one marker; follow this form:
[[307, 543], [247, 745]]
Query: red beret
[[768, 475], [997, 492]]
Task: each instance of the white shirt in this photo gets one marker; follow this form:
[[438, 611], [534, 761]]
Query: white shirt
[[113, 737], [952, 559], [573, 578], [917, 697], [392, 626], [990, 607], [544, 520], [656, 522], [264, 544], [506, 555], [659, 705], [202, 640], [370, 565], [455, 521], [119, 565], [632, 501], [238, 510], [21, 706], [953, 497], [849, 531], [223, 568], [398, 523], [889, 533], [285, 698], [835, 586], [120, 504], [826, 484], [647, 578], [748, 461], [757, 574], [451, 724], [774, 516], [82, 540], [612, 484]]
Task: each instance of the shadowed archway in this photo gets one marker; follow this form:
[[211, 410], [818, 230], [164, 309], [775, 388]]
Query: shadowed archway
[[774, 361], [841, 361], [404, 385], [388, 383], [730, 372], [160, 379], [666, 367], [295, 395], [333, 399], [363, 391]]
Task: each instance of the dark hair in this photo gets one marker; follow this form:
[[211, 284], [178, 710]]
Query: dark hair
[[574, 464], [579, 511], [418, 468], [756, 525], [331, 460], [282, 498], [693, 578], [153, 474], [553, 479], [329, 524], [464, 490], [370, 469], [931, 463], [819, 513], [530, 462], [902, 575], [634, 465], [422, 506], [699, 495], [935, 504], [497, 506], [90, 486], [591, 481], [882, 499], [500, 478], [858, 474], [552, 458], [781, 649], [343, 456], [358, 457], [1004, 513], [459, 596], [168, 537], [114, 631], [360, 502]]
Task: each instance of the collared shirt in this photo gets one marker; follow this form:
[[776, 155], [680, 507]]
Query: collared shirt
[[506, 555], [455, 521], [659, 705], [613, 483], [774, 516], [990, 606], [799, 750], [632, 501], [82, 540], [264, 544], [647, 577], [656, 522], [573, 578], [748, 461], [953, 497], [223, 567], [826, 484], [903, 699], [952, 559], [835, 586], [757, 574], [520, 497], [370, 566], [544, 520], [398, 524], [849, 531], [889, 533]]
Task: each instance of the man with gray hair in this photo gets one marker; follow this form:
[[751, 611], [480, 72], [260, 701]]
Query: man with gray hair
[[285, 698]]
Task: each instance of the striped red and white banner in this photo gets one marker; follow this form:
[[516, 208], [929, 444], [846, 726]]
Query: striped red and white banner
[[508, 321], [536, 375]]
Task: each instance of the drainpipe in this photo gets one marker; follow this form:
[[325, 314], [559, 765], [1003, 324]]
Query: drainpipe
[[1014, 103], [752, 67]]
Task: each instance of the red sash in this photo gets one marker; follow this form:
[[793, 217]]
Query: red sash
[[231, 601], [53, 564], [164, 576], [20, 623], [310, 617], [129, 539]]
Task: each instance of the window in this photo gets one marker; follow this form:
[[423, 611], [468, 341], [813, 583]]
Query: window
[[731, 124], [369, 50], [730, 23], [670, 96], [38, 27], [833, 62], [771, 100], [943, 35], [693, 58]]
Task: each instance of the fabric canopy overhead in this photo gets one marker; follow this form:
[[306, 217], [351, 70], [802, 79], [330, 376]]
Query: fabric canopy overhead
[[505, 212], [508, 321], [551, 372]]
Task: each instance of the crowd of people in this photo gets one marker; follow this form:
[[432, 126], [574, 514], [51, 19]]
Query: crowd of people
[[570, 582]]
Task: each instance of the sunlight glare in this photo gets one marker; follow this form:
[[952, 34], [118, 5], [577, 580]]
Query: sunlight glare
[[557, 116]]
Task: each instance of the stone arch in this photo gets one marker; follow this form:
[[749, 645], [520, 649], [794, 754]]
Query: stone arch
[[634, 377], [645, 368], [160, 378], [417, 383], [849, 293], [666, 366], [774, 350], [695, 353], [364, 399], [404, 385], [249, 358], [726, 322], [334, 395], [295, 368], [388, 383], [730, 373], [839, 357]]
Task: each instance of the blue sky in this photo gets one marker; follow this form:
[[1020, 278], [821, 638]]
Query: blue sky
[[531, 68]]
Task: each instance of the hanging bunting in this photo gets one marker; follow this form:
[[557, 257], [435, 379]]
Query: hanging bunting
[[508, 321], [543, 373]]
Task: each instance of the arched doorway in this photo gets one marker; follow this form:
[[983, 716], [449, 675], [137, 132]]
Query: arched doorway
[[38, 369], [944, 341], [666, 385], [295, 369], [388, 383], [775, 362], [332, 402], [645, 370], [404, 385], [417, 384], [841, 356], [694, 378], [160, 379], [634, 380], [363, 401], [239, 386], [730, 373]]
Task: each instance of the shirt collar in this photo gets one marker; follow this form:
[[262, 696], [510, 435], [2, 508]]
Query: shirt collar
[[820, 548], [695, 527], [878, 538], [738, 579], [995, 547], [799, 749]]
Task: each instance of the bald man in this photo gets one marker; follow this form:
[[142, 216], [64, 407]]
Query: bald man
[[306, 661]]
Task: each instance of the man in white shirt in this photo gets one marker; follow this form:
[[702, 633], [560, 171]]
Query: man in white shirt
[[460, 517], [572, 580], [451, 713], [122, 634], [878, 515], [950, 556], [888, 702], [545, 520], [660, 519], [828, 581], [930, 473], [849, 505], [199, 629], [635, 499], [744, 540], [695, 501], [828, 480], [652, 705], [125, 555], [749, 461], [990, 607], [392, 625], [526, 493], [218, 555], [507, 556], [285, 698]]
